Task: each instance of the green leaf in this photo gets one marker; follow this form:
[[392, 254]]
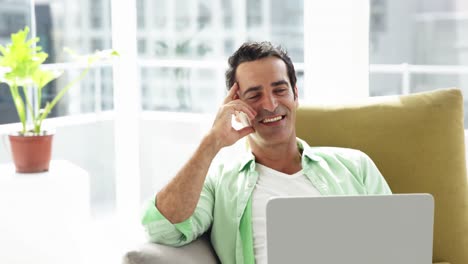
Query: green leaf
[[42, 77], [20, 109], [22, 58]]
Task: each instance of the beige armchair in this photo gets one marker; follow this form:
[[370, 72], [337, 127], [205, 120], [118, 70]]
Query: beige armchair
[[417, 141]]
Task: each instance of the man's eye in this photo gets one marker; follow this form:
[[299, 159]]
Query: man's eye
[[253, 97], [281, 91]]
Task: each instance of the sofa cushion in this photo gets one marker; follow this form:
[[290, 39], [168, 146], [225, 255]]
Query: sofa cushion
[[417, 142], [197, 252]]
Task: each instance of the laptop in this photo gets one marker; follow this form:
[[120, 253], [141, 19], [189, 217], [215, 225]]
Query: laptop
[[375, 229]]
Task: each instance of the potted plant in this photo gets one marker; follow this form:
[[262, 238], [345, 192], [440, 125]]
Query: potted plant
[[21, 61]]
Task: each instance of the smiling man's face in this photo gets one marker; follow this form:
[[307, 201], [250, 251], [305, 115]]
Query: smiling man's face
[[265, 86]]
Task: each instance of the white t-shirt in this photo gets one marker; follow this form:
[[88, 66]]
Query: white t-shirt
[[272, 183]]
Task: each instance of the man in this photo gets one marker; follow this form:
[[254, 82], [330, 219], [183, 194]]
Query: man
[[232, 199]]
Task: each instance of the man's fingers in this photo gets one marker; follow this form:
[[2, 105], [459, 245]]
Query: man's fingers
[[245, 131], [240, 106], [235, 105], [232, 94]]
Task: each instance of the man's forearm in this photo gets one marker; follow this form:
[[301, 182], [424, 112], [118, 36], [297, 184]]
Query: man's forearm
[[178, 200]]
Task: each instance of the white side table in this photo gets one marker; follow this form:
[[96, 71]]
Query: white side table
[[43, 216]]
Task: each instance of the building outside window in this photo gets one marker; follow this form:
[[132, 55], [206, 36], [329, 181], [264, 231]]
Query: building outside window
[[198, 35], [418, 45]]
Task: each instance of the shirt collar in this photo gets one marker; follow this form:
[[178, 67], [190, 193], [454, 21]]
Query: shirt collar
[[307, 151], [248, 159]]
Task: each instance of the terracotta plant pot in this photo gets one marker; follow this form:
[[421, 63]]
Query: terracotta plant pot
[[31, 153]]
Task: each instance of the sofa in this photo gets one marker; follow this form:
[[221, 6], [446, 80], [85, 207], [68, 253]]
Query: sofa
[[417, 142]]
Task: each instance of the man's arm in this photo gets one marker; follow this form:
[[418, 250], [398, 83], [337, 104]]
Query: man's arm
[[178, 199]]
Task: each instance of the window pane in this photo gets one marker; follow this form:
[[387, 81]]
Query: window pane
[[82, 97], [140, 20], [385, 84], [286, 28], [424, 82], [227, 11], [96, 8], [207, 30], [181, 89], [83, 26], [14, 15], [419, 32], [429, 33], [159, 15]]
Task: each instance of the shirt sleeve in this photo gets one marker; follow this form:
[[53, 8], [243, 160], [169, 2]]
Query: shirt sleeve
[[162, 231], [373, 180]]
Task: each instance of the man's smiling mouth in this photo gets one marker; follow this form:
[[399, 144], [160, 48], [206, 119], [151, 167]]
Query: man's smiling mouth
[[272, 119]]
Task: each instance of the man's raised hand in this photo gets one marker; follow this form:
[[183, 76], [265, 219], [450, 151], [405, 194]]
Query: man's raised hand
[[222, 131]]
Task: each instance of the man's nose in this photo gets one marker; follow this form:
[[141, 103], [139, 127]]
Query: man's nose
[[269, 103]]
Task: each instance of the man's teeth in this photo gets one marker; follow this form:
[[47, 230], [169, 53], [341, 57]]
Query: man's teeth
[[274, 119]]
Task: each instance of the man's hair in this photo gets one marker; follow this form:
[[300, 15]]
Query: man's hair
[[251, 51]]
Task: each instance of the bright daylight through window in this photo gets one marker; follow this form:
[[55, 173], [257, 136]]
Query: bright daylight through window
[[418, 45], [183, 46]]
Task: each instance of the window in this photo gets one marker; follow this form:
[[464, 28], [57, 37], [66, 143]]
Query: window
[[197, 36], [141, 21], [56, 29], [141, 46], [14, 15], [227, 8], [254, 14], [418, 45], [96, 44], [95, 12], [159, 14]]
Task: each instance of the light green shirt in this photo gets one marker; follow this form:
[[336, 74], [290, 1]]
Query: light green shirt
[[225, 203]]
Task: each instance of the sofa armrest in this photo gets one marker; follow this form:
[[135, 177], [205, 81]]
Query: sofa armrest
[[197, 252]]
